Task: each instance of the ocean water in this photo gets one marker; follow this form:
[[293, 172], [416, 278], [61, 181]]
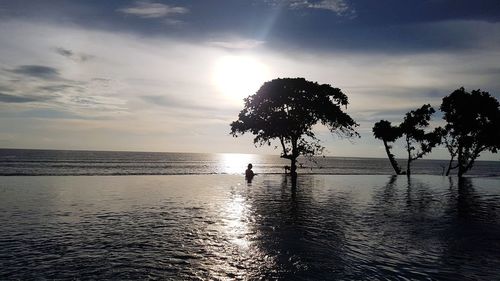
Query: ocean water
[[217, 227], [59, 162]]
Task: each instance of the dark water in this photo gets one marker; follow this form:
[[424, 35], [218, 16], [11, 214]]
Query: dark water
[[59, 162], [212, 227]]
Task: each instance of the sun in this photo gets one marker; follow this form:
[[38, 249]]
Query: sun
[[237, 77]]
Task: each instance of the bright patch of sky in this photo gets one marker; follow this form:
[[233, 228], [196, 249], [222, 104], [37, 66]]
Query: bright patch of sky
[[171, 75]]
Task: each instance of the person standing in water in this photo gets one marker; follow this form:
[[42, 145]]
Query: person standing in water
[[249, 173]]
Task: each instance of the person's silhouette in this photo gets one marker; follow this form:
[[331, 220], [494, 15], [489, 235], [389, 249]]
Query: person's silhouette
[[249, 173]]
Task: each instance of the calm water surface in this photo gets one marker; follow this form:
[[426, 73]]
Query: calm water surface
[[218, 227], [32, 162]]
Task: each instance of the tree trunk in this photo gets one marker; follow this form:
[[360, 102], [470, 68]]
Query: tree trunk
[[293, 166], [461, 171], [449, 166], [293, 159], [408, 172], [462, 168], [393, 161], [461, 164], [293, 171]]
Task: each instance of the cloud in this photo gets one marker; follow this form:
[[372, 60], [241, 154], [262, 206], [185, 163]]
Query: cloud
[[53, 91], [81, 57], [340, 7], [148, 92], [237, 44], [6, 98], [56, 87], [178, 103], [64, 52], [45, 113], [37, 71], [150, 10], [112, 86]]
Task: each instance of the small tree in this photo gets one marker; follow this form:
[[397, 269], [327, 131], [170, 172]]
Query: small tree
[[383, 130], [417, 141], [473, 126], [286, 110], [451, 144]]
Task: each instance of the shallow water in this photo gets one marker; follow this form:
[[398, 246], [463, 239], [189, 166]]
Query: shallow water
[[218, 227]]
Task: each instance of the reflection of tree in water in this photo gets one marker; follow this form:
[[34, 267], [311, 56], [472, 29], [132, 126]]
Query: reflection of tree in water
[[406, 203], [421, 202], [471, 236], [390, 190], [423, 224], [302, 235], [400, 219], [417, 228]]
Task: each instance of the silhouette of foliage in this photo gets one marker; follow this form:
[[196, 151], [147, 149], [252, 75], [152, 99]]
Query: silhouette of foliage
[[417, 141], [383, 130], [473, 126], [286, 110]]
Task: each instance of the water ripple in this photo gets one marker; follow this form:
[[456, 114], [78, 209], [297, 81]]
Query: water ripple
[[219, 228]]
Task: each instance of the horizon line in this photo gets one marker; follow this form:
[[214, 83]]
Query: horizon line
[[183, 152]]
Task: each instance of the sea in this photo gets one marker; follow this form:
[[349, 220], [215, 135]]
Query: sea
[[219, 227], [95, 215], [24, 162]]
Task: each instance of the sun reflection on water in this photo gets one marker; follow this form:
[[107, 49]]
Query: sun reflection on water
[[236, 221], [235, 163]]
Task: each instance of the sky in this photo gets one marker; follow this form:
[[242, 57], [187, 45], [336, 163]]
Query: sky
[[171, 75]]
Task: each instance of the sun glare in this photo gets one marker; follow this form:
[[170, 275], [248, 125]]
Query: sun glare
[[237, 77], [235, 163]]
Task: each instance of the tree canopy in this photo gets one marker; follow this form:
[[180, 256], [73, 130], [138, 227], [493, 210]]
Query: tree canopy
[[383, 130], [418, 142], [472, 126], [286, 110]]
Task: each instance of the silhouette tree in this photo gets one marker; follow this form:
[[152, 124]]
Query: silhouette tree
[[417, 141], [451, 144], [286, 110], [383, 130], [473, 126]]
